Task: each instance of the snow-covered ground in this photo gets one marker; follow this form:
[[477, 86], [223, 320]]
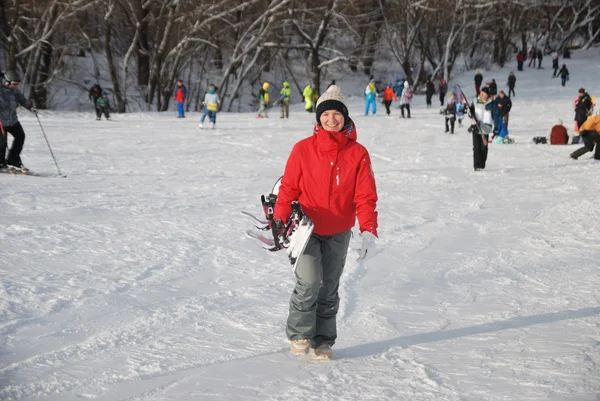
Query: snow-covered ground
[[132, 279]]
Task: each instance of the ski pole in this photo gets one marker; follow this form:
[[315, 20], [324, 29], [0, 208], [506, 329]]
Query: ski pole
[[46, 138]]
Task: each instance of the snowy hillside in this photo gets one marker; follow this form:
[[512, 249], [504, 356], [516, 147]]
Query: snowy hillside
[[132, 279]]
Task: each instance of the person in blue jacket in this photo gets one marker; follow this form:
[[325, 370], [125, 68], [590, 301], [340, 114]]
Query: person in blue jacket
[[370, 96], [398, 86]]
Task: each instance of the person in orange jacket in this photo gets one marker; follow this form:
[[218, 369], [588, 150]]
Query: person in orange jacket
[[590, 133], [180, 96], [330, 175], [388, 96]]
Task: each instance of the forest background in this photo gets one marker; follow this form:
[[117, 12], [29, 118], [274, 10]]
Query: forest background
[[137, 49]]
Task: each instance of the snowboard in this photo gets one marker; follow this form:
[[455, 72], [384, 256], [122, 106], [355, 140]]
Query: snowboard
[[274, 235]]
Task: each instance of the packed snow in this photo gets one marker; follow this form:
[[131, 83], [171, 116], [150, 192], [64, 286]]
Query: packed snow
[[132, 279]]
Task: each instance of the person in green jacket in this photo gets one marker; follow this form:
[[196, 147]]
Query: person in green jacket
[[103, 106], [308, 94], [284, 100]]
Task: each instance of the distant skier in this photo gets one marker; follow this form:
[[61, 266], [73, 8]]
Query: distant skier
[[520, 60], [540, 56], [103, 106], [443, 89], [429, 89], [95, 93], [284, 100], [333, 205], [370, 96], [211, 107], [388, 96], [398, 86], [307, 94], [405, 99], [180, 96], [10, 99], [512, 80], [504, 105], [478, 80], [532, 56], [564, 75], [555, 63], [493, 87], [263, 98], [450, 113]]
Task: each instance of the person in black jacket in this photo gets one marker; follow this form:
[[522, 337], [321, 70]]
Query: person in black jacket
[[583, 106], [429, 89], [512, 80], [564, 75], [478, 81], [493, 87], [504, 105], [95, 93]]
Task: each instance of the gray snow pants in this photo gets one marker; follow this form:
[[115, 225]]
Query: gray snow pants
[[314, 303]]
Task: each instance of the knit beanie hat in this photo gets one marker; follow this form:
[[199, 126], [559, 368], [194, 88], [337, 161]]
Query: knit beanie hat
[[332, 99]]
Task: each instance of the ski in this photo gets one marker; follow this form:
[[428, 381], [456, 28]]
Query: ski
[[29, 172]]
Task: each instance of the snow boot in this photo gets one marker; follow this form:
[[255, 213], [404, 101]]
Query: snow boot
[[299, 347], [323, 352]]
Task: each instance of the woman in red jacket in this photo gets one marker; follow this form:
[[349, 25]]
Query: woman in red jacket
[[330, 175]]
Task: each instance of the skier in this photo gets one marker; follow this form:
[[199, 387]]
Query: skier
[[10, 99], [564, 75], [478, 81], [555, 63], [211, 106], [493, 87], [103, 106], [540, 55], [504, 105], [398, 86], [590, 133], [405, 99], [180, 95], [284, 100], [520, 60], [388, 96], [429, 89], [532, 56], [332, 151], [484, 111], [450, 112], [263, 97], [95, 92], [443, 88], [370, 95], [583, 106], [512, 80], [307, 94]]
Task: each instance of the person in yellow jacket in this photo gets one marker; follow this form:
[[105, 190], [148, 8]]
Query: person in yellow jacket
[[263, 95], [307, 93], [284, 100], [590, 133]]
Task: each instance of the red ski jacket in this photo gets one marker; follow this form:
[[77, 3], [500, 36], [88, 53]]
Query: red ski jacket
[[330, 175]]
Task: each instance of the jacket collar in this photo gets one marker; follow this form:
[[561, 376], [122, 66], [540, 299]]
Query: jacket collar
[[328, 141]]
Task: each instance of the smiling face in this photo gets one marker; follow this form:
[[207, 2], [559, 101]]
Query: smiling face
[[332, 120]]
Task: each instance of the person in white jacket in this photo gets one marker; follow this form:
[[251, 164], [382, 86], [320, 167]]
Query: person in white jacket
[[211, 106], [405, 99]]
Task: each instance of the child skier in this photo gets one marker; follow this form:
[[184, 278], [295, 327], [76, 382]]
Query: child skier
[[103, 106], [284, 100], [450, 112], [388, 96], [211, 106]]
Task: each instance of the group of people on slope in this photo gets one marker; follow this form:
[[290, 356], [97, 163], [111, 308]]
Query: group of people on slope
[[400, 90]]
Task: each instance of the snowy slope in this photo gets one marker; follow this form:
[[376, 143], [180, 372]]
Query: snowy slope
[[132, 278]]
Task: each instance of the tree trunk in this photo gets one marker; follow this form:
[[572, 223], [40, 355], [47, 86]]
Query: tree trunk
[[111, 65]]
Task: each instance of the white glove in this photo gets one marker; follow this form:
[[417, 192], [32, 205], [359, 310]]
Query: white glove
[[368, 248]]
